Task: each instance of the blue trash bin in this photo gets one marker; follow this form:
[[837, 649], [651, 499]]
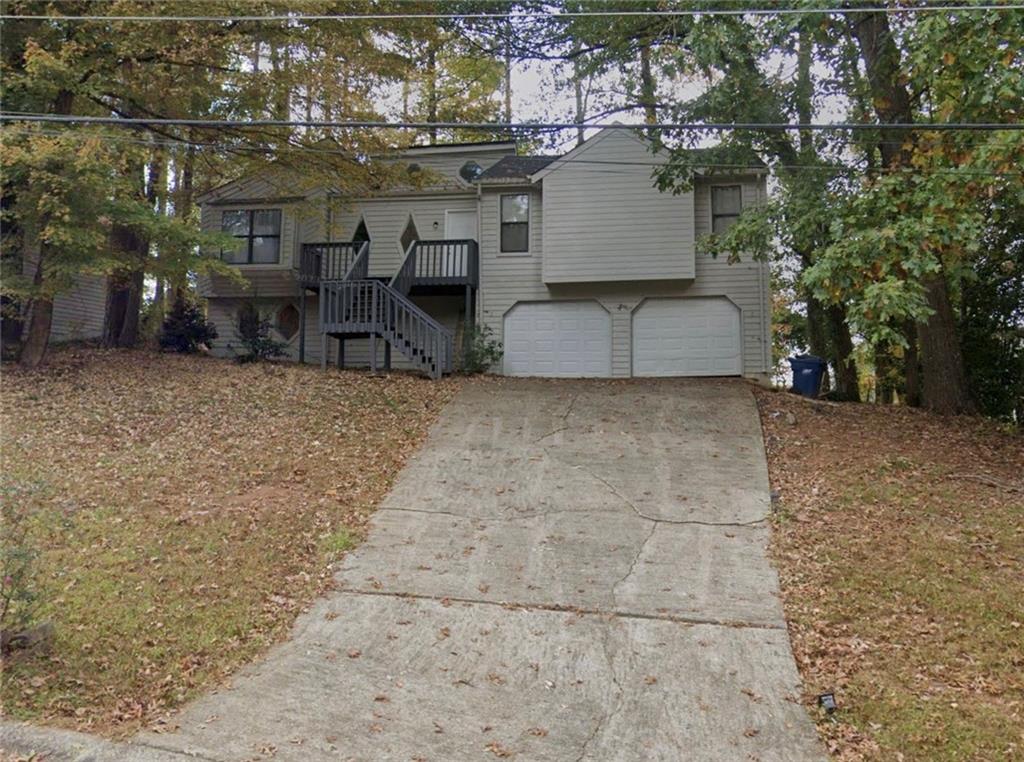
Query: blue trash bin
[[807, 373]]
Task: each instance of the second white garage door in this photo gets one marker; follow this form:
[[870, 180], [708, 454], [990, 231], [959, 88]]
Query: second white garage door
[[558, 339], [687, 337]]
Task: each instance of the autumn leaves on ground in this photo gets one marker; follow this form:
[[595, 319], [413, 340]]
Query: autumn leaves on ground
[[900, 546], [184, 510]]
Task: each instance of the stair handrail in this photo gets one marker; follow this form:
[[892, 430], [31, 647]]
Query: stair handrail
[[414, 309], [360, 266], [406, 275]]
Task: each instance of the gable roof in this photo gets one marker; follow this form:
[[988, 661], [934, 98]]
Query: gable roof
[[722, 158], [515, 167]]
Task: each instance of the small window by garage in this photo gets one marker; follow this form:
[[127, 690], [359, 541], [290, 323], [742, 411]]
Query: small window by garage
[[726, 205], [287, 322], [515, 223]]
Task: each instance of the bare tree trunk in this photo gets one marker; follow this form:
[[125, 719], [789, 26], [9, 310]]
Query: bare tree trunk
[[648, 98], [183, 207], [912, 367], [847, 383], [37, 337], [124, 292], [817, 341], [580, 108], [648, 92], [432, 92], [508, 78], [943, 379], [156, 194]]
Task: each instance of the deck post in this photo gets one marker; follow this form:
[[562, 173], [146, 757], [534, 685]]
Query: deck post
[[467, 323], [302, 324], [322, 311], [387, 355], [341, 352], [373, 331]]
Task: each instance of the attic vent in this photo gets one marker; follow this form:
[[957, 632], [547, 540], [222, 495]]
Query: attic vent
[[470, 171]]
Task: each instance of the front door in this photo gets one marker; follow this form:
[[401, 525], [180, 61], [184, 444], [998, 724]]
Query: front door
[[458, 225]]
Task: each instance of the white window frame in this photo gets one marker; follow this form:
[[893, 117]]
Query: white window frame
[[529, 225], [711, 203]]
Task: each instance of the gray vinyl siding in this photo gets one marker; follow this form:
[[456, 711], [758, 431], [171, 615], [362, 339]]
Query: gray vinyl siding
[[79, 313], [607, 221], [508, 279], [385, 220], [745, 282], [222, 313], [262, 280]]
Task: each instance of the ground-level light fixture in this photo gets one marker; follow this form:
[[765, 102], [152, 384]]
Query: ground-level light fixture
[[827, 701]]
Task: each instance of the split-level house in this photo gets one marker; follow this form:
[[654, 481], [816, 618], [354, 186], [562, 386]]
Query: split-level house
[[577, 264]]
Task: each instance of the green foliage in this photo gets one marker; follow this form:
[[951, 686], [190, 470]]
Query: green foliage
[[186, 328], [253, 332], [19, 600], [992, 316], [338, 541], [481, 351]]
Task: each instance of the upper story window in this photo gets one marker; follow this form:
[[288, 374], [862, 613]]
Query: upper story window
[[258, 232], [726, 205], [515, 223]]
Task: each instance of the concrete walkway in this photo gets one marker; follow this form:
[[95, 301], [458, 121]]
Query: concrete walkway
[[567, 570]]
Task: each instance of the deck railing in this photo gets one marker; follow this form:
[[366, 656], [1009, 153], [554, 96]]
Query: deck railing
[[439, 263], [371, 307], [330, 260]]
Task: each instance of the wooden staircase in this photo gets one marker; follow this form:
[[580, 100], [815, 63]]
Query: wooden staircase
[[355, 306]]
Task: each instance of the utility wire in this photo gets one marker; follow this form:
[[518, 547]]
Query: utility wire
[[591, 166], [525, 15], [498, 127]]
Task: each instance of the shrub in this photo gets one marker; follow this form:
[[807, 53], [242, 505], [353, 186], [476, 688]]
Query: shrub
[[253, 332], [186, 328], [480, 351]]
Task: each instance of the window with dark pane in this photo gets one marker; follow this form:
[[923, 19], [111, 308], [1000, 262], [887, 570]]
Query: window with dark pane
[[409, 235], [726, 205], [288, 321], [515, 223], [258, 236]]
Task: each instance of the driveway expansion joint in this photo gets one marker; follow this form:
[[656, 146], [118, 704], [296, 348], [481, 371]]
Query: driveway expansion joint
[[568, 609]]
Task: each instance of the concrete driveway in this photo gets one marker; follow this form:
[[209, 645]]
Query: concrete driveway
[[567, 570]]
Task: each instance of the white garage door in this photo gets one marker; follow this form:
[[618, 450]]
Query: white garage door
[[558, 339], [686, 337]]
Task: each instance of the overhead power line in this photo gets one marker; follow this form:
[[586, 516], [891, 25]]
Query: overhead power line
[[525, 15], [591, 166], [512, 126]]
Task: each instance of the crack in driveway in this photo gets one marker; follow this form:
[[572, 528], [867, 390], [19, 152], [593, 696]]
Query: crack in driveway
[[568, 608], [641, 514]]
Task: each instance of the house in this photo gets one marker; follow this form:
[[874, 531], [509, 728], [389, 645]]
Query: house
[[79, 311], [578, 264]]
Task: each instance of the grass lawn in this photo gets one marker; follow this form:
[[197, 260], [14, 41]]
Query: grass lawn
[[900, 545], [185, 510]]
